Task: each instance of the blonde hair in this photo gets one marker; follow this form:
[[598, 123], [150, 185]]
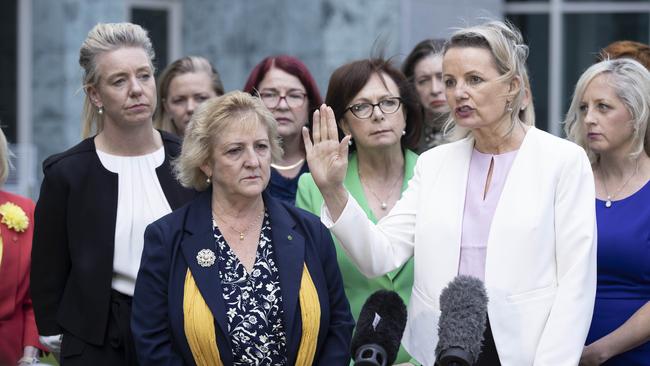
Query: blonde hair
[[505, 43], [105, 37], [5, 155], [188, 64], [631, 83], [209, 121]]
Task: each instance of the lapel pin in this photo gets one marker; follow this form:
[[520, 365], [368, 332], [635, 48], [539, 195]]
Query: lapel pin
[[205, 258], [290, 237]]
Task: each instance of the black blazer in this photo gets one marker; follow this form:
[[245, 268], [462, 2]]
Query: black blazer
[[74, 239], [171, 246]]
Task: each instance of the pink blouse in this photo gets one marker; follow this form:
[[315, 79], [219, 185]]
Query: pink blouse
[[478, 212]]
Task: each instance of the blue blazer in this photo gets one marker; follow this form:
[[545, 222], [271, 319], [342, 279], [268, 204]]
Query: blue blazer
[[171, 246]]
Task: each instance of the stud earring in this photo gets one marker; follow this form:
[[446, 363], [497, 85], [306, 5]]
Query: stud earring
[[350, 142], [208, 180], [403, 132], [100, 110]]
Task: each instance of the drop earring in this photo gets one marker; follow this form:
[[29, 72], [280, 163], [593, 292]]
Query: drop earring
[[208, 180], [350, 142], [100, 110]]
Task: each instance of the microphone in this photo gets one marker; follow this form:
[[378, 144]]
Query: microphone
[[463, 313], [379, 330]]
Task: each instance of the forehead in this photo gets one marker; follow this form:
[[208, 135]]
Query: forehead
[[602, 85], [459, 60], [124, 59], [241, 128], [190, 82], [428, 65], [279, 79], [376, 87]]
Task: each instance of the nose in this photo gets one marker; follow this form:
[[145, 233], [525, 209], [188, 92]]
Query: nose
[[282, 104], [436, 86], [251, 160], [191, 105], [460, 91], [377, 113], [136, 86], [589, 118]]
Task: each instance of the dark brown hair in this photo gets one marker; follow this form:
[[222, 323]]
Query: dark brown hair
[[426, 48], [346, 82]]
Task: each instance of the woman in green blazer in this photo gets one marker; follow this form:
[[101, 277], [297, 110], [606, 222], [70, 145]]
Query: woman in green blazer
[[374, 104]]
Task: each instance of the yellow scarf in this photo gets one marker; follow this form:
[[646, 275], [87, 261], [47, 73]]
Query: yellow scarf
[[201, 335]]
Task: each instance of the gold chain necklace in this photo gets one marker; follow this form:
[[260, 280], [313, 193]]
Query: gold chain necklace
[[608, 202], [382, 203], [241, 233]]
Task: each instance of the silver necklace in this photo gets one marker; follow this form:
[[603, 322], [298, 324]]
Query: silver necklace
[[382, 203], [608, 202], [288, 167]]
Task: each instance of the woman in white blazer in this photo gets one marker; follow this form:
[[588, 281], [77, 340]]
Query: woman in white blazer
[[509, 204]]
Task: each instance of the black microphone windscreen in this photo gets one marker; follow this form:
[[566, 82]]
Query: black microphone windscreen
[[381, 322], [463, 314]]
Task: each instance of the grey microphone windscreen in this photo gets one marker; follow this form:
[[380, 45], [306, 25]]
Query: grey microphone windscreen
[[463, 314]]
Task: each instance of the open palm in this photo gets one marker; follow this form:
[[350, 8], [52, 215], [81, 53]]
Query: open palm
[[326, 156]]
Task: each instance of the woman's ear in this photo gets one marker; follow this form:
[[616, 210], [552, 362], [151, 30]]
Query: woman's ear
[[343, 125], [94, 96], [206, 169]]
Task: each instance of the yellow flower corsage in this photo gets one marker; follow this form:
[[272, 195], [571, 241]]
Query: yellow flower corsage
[[14, 217]]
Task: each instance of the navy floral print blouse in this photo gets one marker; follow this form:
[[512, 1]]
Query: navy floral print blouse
[[253, 303]]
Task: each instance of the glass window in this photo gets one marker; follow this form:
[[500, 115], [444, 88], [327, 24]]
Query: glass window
[[8, 63], [156, 22], [587, 34], [534, 28]]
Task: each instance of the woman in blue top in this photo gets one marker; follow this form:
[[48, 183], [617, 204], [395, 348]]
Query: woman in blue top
[[609, 117]]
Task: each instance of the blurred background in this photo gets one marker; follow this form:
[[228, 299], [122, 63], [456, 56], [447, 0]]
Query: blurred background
[[41, 98]]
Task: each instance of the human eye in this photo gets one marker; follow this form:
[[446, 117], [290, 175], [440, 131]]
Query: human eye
[[201, 98], [423, 80], [604, 107], [234, 150], [449, 82], [582, 107], [118, 82], [296, 96], [144, 76], [360, 108], [473, 79], [390, 102], [178, 100], [262, 146], [268, 95]]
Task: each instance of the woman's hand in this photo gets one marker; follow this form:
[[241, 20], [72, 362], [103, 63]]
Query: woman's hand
[[328, 160], [326, 156]]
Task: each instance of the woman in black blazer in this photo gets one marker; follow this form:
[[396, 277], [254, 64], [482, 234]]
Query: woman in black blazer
[[237, 277], [96, 199]]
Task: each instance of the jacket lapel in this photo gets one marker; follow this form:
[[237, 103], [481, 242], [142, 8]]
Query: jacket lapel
[[290, 255], [200, 236]]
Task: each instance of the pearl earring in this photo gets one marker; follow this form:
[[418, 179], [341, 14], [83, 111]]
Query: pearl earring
[[100, 110], [350, 142], [208, 180], [403, 132]]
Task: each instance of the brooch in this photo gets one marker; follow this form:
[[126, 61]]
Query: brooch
[[205, 258]]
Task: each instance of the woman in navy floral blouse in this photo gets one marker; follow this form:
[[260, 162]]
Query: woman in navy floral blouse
[[237, 277]]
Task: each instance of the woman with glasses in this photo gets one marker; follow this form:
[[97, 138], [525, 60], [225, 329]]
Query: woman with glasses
[[508, 204], [376, 105], [288, 90]]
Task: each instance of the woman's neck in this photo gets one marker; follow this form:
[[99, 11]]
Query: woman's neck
[[381, 164], [500, 138], [294, 150], [620, 165], [135, 141], [224, 204]]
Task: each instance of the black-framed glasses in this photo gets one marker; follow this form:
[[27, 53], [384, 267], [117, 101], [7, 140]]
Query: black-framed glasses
[[294, 99], [365, 110]]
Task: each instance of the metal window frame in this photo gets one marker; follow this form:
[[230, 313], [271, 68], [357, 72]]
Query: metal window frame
[[175, 11], [556, 9]]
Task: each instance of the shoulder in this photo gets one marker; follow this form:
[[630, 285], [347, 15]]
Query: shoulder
[[172, 143], [24, 202], [71, 157], [557, 149]]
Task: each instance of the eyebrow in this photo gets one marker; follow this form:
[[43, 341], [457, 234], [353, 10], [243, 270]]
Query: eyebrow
[[383, 96], [123, 73], [288, 90]]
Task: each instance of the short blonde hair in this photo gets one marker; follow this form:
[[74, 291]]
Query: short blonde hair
[[209, 121], [161, 119], [505, 43], [105, 37], [631, 83], [5, 155]]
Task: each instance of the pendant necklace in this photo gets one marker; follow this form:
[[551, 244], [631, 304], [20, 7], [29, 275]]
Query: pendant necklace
[[382, 203], [608, 202], [243, 232]]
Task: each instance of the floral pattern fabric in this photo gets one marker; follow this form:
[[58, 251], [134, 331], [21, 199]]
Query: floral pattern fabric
[[253, 303]]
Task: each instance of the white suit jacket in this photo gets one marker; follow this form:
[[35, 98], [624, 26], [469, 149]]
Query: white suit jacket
[[540, 270]]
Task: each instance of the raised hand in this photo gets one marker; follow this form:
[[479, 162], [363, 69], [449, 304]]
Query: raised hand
[[327, 159]]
